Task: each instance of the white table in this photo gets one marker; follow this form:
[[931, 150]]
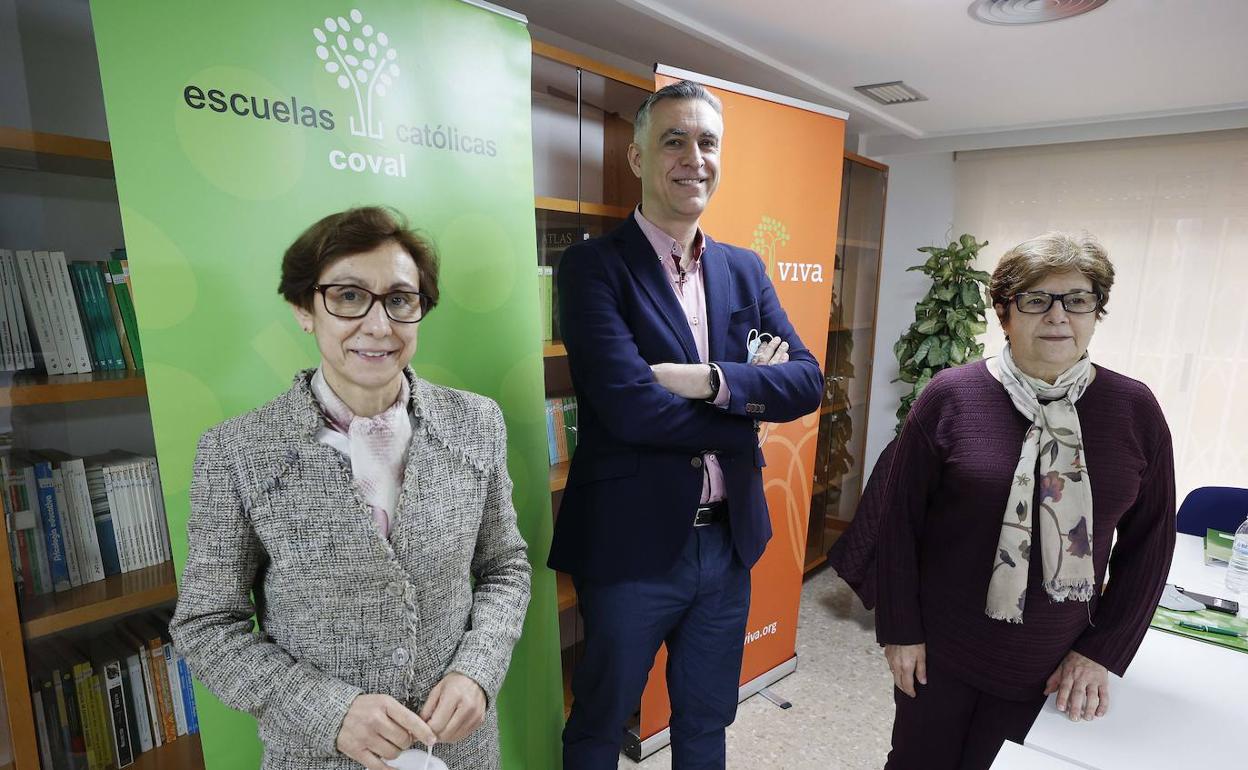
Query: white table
[[1015, 757], [1178, 694]]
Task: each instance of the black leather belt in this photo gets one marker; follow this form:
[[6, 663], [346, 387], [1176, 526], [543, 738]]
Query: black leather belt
[[711, 513]]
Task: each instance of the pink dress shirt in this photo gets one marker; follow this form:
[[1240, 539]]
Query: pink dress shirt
[[690, 292]]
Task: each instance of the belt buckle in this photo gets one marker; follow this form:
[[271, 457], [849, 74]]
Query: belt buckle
[[709, 511]]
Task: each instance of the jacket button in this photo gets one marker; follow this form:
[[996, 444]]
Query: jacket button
[[394, 589], [400, 657], [696, 462]]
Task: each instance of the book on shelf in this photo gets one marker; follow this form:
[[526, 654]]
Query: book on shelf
[[545, 298], [73, 520], [561, 419], [94, 700], [65, 316], [552, 242]]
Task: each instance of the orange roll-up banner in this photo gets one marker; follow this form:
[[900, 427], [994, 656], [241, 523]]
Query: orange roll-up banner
[[779, 195]]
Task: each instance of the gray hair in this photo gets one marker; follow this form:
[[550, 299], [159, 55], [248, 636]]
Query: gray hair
[[684, 89]]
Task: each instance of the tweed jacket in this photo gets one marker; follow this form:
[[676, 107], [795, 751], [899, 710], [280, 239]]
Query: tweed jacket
[[341, 610]]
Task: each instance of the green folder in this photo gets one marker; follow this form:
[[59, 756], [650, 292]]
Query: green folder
[[1218, 547], [1168, 620]]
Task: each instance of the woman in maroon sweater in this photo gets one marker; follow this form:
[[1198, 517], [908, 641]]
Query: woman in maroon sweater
[[998, 514]]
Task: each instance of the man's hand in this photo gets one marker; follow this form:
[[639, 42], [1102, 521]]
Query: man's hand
[[692, 381], [1082, 687], [908, 662], [773, 351], [455, 708], [378, 727]]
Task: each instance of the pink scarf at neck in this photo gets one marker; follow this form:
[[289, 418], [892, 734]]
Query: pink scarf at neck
[[377, 446]]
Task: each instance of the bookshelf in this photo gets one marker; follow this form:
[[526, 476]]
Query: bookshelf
[[55, 153], [29, 389], [113, 597], [67, 182], [841, 442], [582, 113]]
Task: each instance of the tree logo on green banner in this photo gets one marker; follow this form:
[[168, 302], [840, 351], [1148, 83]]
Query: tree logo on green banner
[[364, 63]]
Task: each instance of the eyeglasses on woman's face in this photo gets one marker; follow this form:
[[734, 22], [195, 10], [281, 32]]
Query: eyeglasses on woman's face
[[1037, 302], [348, 301]]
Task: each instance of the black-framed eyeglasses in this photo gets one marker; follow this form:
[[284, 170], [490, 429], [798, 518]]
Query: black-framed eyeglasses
[[345, 300], [1072, 301]]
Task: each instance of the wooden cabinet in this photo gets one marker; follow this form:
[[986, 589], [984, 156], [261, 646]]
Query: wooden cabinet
[[582, 126], [850, 344]]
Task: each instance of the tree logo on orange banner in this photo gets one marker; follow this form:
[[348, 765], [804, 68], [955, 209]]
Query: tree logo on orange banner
[[769, 235]]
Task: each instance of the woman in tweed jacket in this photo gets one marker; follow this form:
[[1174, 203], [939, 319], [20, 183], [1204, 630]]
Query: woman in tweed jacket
[[369, 514]]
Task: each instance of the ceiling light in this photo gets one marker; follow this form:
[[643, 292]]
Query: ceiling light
[[1029, 11], [895, 92]]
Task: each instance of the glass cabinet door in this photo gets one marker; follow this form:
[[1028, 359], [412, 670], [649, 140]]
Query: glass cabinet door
[[850, 342]]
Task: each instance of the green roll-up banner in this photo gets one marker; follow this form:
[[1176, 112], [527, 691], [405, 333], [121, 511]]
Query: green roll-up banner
[[236, 124]]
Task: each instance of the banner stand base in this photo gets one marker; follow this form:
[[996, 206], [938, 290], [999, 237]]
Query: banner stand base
[[637, 749]]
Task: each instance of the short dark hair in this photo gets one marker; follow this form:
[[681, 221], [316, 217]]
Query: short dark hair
[[683, 89], [351, 232]]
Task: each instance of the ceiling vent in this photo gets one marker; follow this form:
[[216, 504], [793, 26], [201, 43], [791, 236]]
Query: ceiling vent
[[1029, 11], [895, 92]]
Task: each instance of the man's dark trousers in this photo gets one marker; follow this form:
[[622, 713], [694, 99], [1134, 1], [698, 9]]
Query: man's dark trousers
[[699, 607]]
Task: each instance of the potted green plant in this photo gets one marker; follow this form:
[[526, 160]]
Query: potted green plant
[[947, 321]]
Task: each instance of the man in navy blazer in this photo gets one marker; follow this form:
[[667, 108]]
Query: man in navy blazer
[[664, 514]]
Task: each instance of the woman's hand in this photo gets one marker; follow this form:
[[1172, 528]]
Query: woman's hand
[[908, 662], [378, 727], [455, 708], [1082, 687]]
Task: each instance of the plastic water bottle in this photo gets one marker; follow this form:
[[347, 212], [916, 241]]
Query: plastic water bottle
[[1237, 570]]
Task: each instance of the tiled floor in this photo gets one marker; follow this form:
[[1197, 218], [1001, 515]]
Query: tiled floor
[[842, 699]]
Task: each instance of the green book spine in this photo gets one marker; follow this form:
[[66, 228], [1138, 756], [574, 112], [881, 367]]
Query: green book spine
[[94, 274], [87, 313], [127, 311]]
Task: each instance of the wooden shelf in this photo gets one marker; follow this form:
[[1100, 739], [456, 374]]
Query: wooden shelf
[[559, 476], [836, 406], [858, 243], [851, 328], [582, 207], [31, 389], [553, 350], [567, 594], [20, 148], [818, 561], [183, 754], [111, 597]]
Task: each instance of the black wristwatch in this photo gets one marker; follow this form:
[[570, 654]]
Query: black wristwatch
[[714, 382]]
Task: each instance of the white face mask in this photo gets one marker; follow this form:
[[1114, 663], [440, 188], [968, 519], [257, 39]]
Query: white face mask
[[753, 341]]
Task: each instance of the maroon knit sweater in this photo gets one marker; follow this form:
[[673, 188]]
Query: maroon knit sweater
[[944, 499]]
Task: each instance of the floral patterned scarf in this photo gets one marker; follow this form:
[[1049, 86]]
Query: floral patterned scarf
[[377, 446], [1054, 442]]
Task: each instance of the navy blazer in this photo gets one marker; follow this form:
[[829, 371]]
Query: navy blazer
[[636, 476]]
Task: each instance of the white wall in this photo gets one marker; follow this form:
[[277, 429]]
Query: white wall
[[919, 212]]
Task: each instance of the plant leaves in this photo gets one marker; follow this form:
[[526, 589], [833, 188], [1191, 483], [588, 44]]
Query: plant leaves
[[1063, 432]]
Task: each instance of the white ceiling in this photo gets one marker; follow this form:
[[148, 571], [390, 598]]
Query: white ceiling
[[1128, 59]]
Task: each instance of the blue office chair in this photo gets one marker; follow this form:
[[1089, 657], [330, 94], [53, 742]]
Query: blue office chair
[[1220, 508]]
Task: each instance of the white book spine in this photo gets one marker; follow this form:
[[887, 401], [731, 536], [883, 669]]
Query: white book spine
[[8, 269], [32, 295], [158, 502], [135, 669], [142, 523], [175, 688], [8, 323], [60, 330], [69, 529], [77, 487], [113, 490], [149, 688], [65, 289], [41, 727], [143, 489]]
